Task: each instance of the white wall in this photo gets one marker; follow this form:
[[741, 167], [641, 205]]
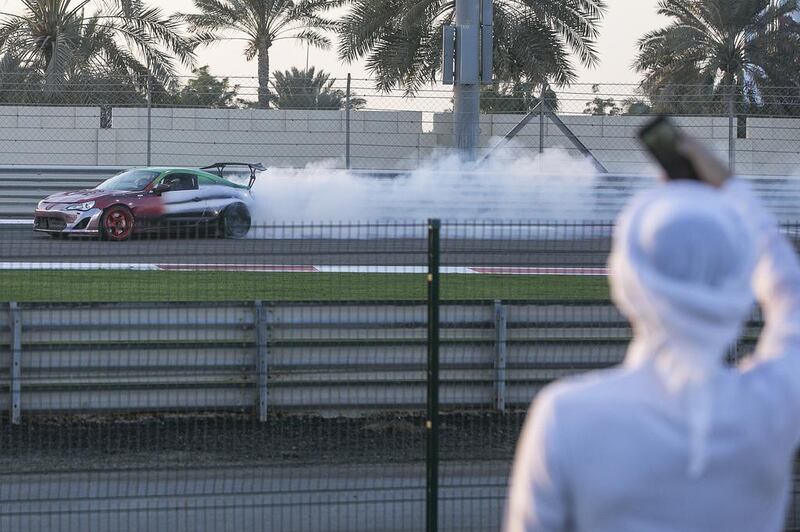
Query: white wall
[[379, 139], [772, 146]]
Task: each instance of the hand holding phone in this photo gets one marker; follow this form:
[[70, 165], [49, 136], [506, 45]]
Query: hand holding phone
[[662, 138]]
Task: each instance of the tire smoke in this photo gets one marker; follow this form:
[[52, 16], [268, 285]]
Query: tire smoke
[[553, 186]]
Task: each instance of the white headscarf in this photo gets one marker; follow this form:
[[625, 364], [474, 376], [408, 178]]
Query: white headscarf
[[681, 263]]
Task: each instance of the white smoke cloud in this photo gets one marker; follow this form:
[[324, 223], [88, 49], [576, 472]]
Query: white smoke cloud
[[553, 186]]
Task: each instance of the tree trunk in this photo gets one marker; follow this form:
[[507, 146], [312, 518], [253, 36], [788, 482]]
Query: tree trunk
[[263, 75]]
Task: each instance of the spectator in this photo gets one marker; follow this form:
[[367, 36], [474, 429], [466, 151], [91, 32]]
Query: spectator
[[673, 439]]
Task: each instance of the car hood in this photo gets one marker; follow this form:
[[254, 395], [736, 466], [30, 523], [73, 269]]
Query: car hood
[[79, 196]]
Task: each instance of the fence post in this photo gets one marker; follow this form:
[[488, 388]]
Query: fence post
[[432, 423], [500, 355], [149, 116], [541, 120], [732, 128], [347, 125], [262, 358], [15, 323]]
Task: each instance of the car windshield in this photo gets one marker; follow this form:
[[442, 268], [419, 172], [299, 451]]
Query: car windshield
[[133, 180]]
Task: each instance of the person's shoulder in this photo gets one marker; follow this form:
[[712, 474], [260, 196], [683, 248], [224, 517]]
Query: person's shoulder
[[591, 388]]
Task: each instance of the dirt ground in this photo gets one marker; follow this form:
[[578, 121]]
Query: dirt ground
[[111, 442]]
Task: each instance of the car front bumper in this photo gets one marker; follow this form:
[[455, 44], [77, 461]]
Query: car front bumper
[[60, 220]]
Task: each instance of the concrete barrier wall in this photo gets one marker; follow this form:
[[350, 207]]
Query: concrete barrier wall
[[192, 137], [771, 146], [396, 140]]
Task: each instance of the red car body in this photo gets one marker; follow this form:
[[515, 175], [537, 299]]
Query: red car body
[[149, 199]]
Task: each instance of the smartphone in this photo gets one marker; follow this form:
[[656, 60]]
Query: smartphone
[[661, 137]]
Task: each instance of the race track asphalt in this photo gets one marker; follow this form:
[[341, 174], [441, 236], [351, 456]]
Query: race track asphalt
[[350, 498], [474, 246]]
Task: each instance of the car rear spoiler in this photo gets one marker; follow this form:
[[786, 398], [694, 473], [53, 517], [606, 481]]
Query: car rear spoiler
[[254, 167]]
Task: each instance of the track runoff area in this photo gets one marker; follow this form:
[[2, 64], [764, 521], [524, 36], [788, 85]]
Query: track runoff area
[[36, 268]]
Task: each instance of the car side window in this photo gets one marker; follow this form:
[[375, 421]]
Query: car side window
[[205, 181], [181, 182]]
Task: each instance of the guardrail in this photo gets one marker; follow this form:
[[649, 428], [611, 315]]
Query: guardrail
[[343, 358], [22, 187]]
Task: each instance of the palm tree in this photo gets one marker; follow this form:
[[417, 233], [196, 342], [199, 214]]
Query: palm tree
[[262, 23], [714, 50], [514, 97], [57, 40], [309, 89], [534, 39]]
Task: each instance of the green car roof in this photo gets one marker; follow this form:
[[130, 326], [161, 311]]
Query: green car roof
[[200, 173]]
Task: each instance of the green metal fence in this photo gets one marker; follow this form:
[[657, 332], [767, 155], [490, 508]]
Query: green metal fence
[[308, 377]]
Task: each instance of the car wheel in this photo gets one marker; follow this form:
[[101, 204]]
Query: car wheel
[[116, 223], [235, 221]]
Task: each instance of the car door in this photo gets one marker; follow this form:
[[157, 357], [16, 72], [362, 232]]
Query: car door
[[183, 204]]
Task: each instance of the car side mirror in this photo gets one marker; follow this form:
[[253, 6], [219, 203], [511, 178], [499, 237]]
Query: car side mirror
[[161, 188]]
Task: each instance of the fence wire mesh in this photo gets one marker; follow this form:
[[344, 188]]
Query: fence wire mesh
[[180, 381], [342, 123], [177, 382]]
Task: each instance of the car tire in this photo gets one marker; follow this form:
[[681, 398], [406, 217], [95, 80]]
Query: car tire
[[234, 222], [116, 224]]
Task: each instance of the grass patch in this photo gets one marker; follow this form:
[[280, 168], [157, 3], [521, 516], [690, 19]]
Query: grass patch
[[104, 286]]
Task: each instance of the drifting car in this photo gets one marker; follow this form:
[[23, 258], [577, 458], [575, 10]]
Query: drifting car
[[153, 200]]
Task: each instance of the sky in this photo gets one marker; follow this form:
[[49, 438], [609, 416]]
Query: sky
[[625, 22]]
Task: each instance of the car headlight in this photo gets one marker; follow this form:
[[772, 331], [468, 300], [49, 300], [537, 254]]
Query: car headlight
[[40, 205], [85, 206]]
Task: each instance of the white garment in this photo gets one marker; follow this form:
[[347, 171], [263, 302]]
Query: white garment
[[673, 440]]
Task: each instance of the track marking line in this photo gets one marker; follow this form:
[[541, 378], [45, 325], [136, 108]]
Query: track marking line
[[304, 268], [237, 267], [77, 266], [540, 270]]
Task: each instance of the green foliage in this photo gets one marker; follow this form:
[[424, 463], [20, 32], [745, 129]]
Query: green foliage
[[57, 46], [260, 23], [309, 89], [89, 286], [515, 98], [636, 106], [204, 90], [22, 85], [533, 41], [602, 106], [714, 51]]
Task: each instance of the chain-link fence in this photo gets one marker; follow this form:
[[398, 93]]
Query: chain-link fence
[[297, 379], [348, 123]]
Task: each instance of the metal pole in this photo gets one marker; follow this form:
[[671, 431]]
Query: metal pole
[[262, 359], [500, 355], [347, 125], [732, 128], [467, 90], [432, 423], [541, 121], [16, 363], [149, 117]]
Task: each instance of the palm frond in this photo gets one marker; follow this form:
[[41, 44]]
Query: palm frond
[[401, 40]]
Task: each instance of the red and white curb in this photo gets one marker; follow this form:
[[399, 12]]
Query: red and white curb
[[291, 268]]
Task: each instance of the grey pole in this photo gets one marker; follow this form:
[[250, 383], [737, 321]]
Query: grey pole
[[541, 119], [467, 89], [149, 118], [732, 127], [347, 125]]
